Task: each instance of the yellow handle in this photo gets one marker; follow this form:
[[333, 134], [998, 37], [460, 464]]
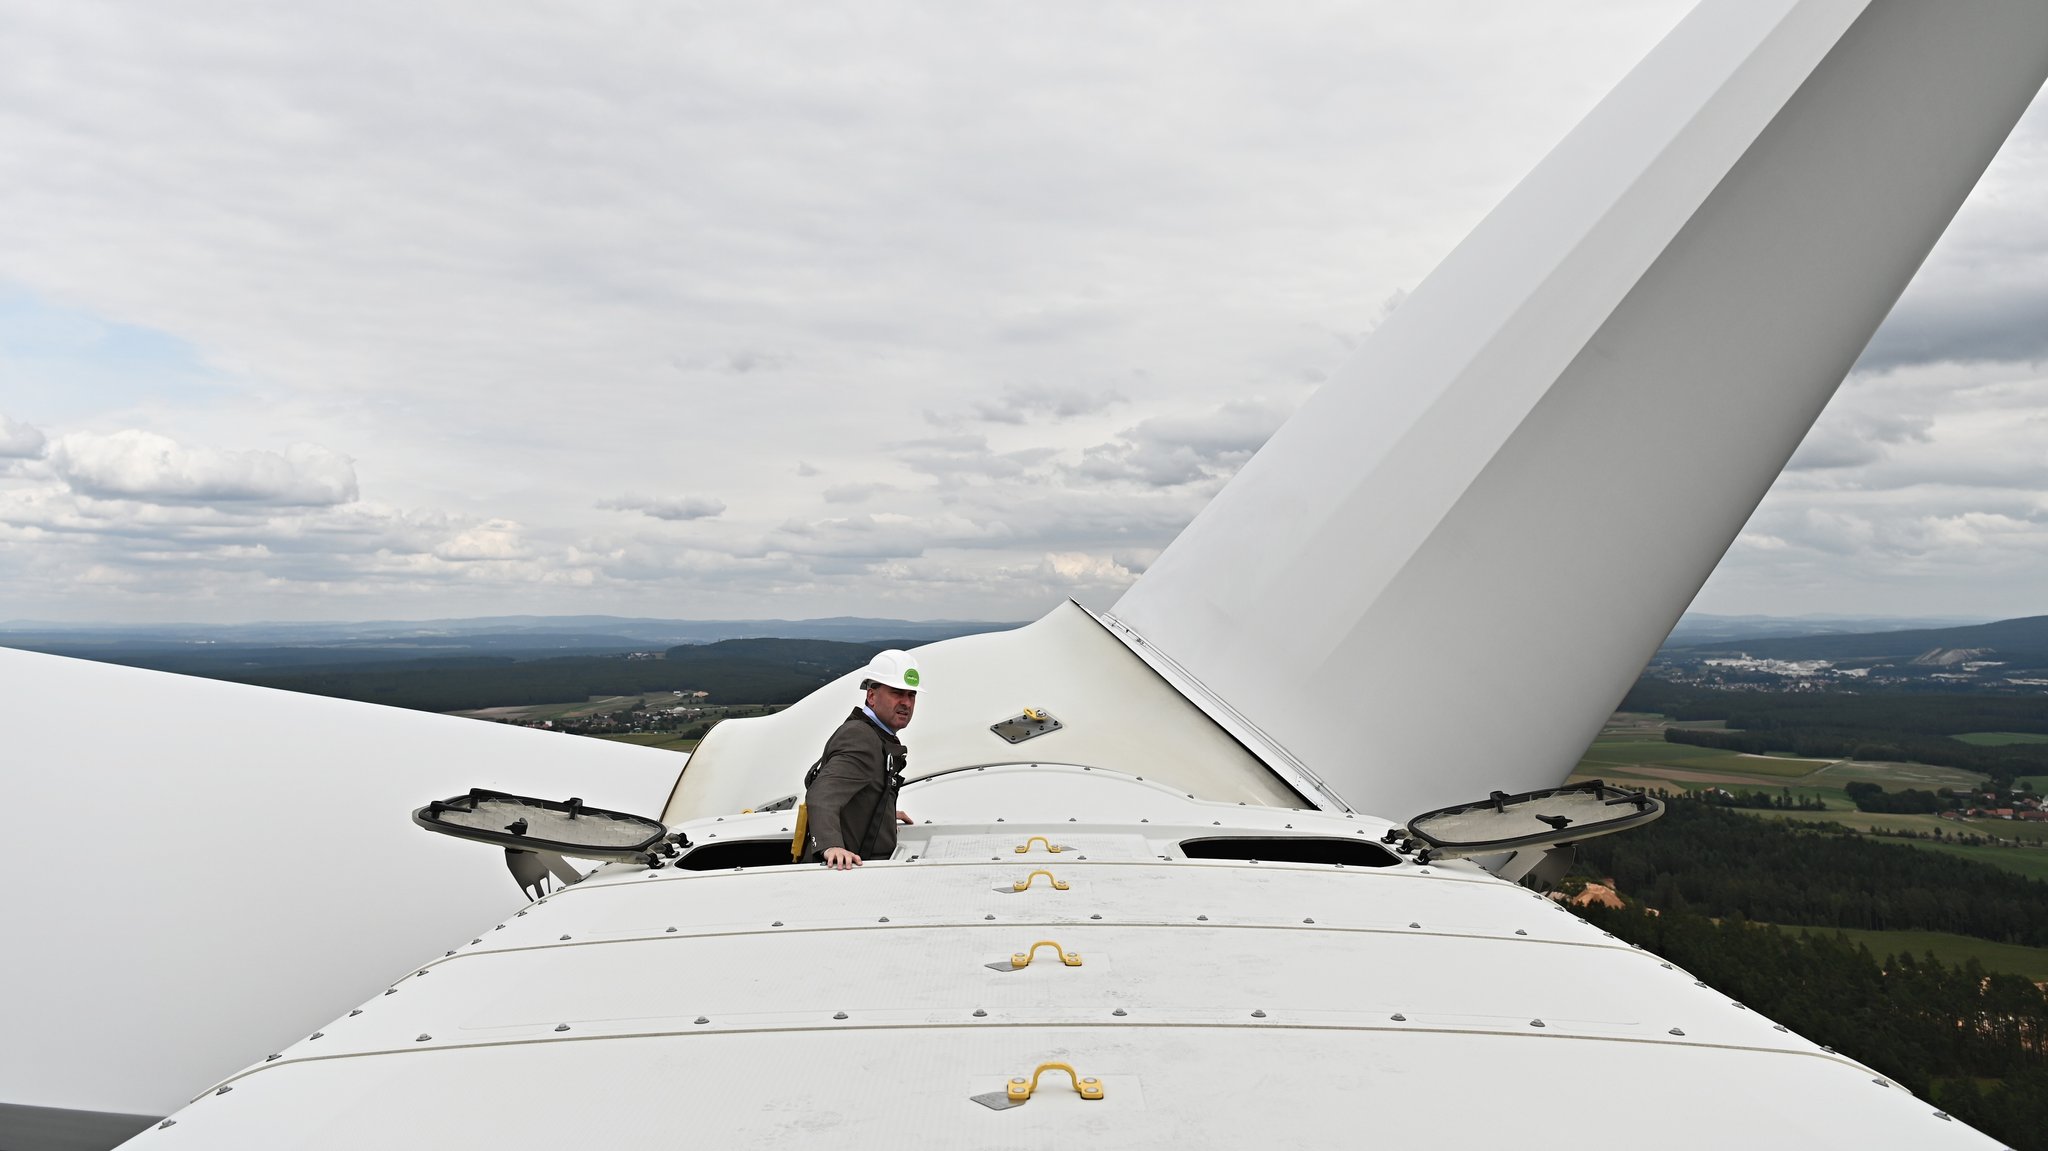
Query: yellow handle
[[1024, 958], [1049, 845], [796, 842], [1020, 1089], [1025, 883]]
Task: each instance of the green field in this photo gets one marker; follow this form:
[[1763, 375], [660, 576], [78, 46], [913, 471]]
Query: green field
[[665, 740], [2031, 862], [574, 709], [2011, 958], [2000, 738]]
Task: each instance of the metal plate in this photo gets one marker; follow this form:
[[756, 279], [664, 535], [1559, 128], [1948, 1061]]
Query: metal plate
[[1023, 726]]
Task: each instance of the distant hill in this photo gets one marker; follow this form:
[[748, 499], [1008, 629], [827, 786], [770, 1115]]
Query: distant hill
[[769, 671], [1698, 628], [239, 651], [2018, 643], [461, 665]]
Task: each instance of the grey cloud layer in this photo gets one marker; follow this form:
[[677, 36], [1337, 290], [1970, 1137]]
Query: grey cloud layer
[[953, 308]]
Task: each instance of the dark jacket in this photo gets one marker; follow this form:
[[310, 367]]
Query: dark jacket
[[853, 801]]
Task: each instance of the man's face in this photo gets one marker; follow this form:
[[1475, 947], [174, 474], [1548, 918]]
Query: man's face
[[892, 705]]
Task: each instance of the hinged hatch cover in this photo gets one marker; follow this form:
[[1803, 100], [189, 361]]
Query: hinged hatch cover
[[1503, 822], [564, 826]]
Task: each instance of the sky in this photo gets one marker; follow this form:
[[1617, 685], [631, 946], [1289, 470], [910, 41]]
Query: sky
[[921, 310]]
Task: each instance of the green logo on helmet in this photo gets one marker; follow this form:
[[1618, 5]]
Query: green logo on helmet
[[910, 676]]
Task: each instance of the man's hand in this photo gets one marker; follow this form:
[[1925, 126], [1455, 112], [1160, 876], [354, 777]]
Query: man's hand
[[840, 859], [904, 817]]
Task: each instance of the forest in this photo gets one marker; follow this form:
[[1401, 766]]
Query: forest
[[1888, 726], [1969, 1040], [733, 671]]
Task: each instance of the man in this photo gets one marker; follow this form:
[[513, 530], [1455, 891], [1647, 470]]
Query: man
[[851, 794]]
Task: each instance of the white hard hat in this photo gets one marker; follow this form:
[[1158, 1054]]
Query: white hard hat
[[892, 668]]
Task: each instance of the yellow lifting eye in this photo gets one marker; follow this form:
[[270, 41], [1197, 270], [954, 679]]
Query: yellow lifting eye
[[1025, 883], [1024, 958], [1020, 1088], [1049, 845], [1034, 715]]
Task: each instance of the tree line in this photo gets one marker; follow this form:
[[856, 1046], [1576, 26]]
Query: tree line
[[1968, 1040], [1706, 860], [732, 671]]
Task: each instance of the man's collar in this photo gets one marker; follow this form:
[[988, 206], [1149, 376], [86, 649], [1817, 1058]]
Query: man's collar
[[870, 713]]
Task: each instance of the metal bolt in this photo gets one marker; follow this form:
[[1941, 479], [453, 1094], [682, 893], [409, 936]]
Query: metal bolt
[[1398, 1017], [988, 917], [1119, 1011], [1943, 1115], [702, 1019], [356, 1012], [564, 937], [1415, 925], [269, 1058], [1423, 870], [423, 1037], [1258, 1015], [1520, 931], [1088, 1080], [222, 1090], [1779, 1027], [1204, 918], [883, 919], [1098, 915], [1677, 1031], [839, 1015], [1880, 1083], [1535, 1023], [1666, 966], [1308, 921], [478, 939], [670, 931], [979, 1013], [315, 1035], [447, 953], [167, 1123], [777, 923], [561, 1027], [1019, 1079], [499, 927], [1699, 983], [391, 991]]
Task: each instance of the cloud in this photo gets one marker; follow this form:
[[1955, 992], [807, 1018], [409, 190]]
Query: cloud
[[1857, 439], [144, 466], [1018, 406], [19, 441], [1166, 451], [855, 493], [674, 508]]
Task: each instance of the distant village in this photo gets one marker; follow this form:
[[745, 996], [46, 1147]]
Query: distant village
[[1950, 667]]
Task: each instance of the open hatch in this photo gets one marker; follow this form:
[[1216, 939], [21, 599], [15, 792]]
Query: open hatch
[[1503, 822]]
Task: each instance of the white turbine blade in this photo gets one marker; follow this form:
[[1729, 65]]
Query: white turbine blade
[[1513, 493], [204, 872]]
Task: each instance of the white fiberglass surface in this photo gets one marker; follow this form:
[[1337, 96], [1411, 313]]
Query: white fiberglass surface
[[1531, 467], [1248, 1086], [1116, 713], [262, 872]]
